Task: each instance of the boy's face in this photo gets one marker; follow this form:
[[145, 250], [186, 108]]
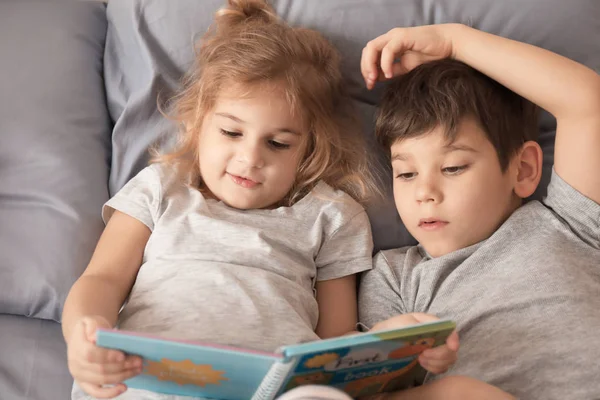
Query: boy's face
[[452, 195]]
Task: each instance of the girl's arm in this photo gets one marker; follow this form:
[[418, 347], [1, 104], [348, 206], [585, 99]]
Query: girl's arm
[[337, 306], [105, 284]]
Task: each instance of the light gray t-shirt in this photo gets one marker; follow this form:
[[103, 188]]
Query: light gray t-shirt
[[217, 274], [526, 300]]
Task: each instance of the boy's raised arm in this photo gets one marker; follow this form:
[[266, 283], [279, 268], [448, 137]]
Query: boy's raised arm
[[565, 88], [568, 90]]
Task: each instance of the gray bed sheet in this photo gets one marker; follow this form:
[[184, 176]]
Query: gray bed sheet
[[33, 360]]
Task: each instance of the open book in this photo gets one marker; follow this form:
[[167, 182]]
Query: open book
[[361, 364]]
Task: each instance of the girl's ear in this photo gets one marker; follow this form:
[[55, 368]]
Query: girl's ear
[[529, 169]]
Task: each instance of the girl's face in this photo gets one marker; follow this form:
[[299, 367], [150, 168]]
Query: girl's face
[[251, 147]]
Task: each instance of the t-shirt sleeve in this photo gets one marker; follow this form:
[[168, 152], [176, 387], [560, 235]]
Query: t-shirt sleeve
[[379, 293], [581, 213], [346, 251], [139, 198]]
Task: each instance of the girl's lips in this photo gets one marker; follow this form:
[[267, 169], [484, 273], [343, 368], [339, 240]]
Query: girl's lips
[[243, 182]]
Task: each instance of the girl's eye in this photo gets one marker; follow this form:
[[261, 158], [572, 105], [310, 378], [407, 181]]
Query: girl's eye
[[406, 176], [278, 145], [230, 133], [454, 170]]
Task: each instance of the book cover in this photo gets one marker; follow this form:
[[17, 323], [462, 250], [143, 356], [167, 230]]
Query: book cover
[[361, 364], [368, 363], [191, 368]]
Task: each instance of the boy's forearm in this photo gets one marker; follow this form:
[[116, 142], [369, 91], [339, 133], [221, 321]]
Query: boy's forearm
[[91, 295], [561, 86]]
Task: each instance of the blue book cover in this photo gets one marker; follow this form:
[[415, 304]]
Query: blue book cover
[[360, 364]]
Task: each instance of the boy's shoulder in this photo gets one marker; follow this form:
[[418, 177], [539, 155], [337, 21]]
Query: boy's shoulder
[[563, 211], [396, 257], [561, 192], [574, 210]]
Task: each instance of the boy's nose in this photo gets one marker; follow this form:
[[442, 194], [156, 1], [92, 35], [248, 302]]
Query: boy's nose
[[427, 191]]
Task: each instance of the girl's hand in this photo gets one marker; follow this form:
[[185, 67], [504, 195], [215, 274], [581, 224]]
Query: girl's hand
[[402, 49], [94, 367], [437, 360]]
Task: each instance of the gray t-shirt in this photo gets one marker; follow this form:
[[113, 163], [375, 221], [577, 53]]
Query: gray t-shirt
[[526, 300], [217, 274]]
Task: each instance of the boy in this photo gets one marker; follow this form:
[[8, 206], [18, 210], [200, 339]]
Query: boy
[[521, 280]]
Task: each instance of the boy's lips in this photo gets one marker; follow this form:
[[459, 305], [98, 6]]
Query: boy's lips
[[243, 181], [431, 224]]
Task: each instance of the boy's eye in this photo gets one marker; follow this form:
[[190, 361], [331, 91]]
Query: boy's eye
[[278, 145], [230, 133], [406, 176], [454, 170]]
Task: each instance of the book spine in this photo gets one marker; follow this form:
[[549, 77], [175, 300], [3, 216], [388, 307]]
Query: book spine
[[273, 381]]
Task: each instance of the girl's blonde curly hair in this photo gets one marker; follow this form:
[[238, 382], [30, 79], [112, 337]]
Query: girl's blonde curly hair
[[248, 44]]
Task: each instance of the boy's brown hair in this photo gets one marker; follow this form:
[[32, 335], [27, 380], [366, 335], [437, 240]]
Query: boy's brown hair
[[442, 93]]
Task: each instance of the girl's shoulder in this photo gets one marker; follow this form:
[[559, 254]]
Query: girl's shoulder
[[333, 200], [167, 179], [167, 174]]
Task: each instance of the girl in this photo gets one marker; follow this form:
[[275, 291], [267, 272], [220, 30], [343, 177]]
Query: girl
[[250, 232]]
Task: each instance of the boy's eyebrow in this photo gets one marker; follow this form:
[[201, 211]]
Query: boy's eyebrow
[[447, 149], [458, 147], [399, 157], [241, 121]]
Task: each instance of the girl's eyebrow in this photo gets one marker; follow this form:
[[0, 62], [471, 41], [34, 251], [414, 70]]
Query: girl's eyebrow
[[287, 130], [230, 116]]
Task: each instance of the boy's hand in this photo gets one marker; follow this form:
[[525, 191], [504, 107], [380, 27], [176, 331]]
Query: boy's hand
[[440, 359], [437, 360], [92, 366], [402, 49]]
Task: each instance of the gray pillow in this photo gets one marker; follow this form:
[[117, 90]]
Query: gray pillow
[[54, 149], [149, 45]]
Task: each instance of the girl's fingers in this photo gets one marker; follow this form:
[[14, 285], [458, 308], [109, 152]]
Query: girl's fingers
[[91, 376], [133, 361], [113, 356], [97, 355], [112, 368]]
